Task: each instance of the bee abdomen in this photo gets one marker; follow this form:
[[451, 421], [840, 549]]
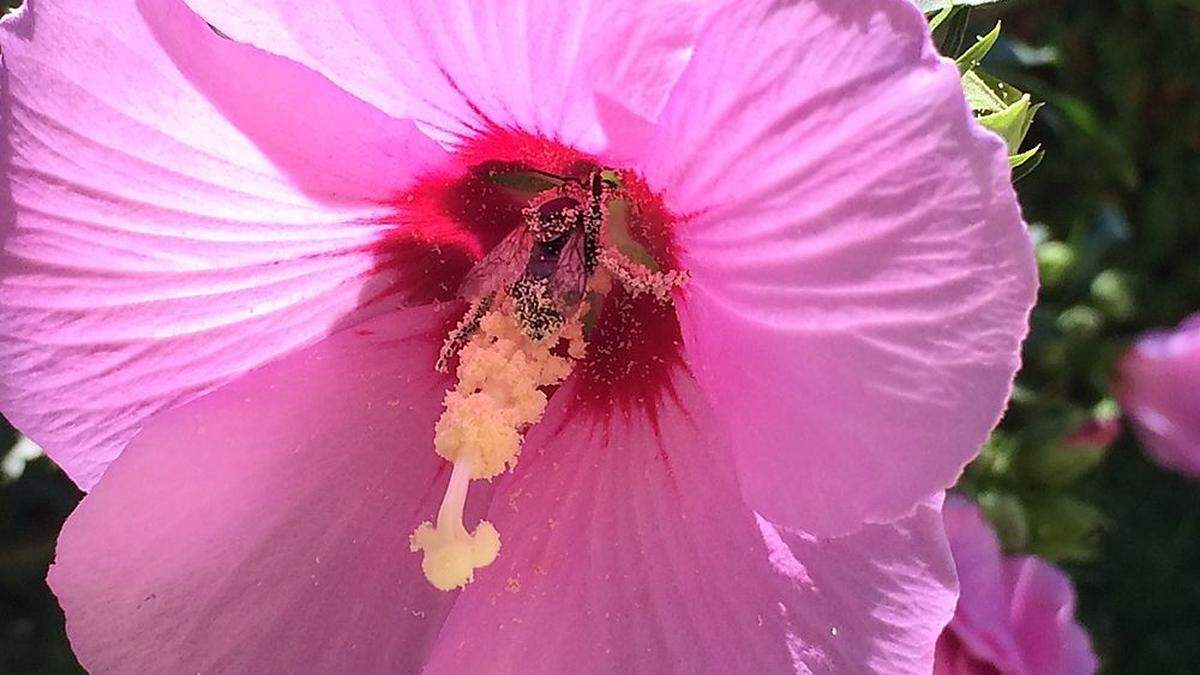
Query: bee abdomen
[[535, 308]]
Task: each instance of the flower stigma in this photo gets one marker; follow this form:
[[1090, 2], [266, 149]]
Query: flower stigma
[[533, 300]]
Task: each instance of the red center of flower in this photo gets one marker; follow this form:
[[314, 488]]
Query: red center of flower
[[447, 224]]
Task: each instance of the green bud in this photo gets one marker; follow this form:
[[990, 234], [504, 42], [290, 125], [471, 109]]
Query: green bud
[[1080, 321], [1054, 355], [1054, 260], [1062, 527], [1022, 395], [1111, 293], [1107, 409], [1064, 443], [995, 457], [1007, 516], [1059, 464]]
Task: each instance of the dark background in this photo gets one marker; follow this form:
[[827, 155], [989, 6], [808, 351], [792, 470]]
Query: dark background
[[1120, 186]]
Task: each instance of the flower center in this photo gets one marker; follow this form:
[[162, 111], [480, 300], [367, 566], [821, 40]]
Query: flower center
[[535, 300]]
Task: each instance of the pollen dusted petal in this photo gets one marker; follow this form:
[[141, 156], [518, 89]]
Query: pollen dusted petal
[[264, 528], [628, 548]]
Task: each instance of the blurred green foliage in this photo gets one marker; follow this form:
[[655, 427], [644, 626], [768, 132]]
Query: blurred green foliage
[[1115, 209], [32, 509], [1115, 212]]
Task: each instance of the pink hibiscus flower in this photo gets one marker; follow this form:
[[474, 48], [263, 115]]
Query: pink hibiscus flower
[[1158, 385], [725, 293], [1015, 615]]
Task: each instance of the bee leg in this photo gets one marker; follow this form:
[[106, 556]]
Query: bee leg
[[637, 278], [458, 338]]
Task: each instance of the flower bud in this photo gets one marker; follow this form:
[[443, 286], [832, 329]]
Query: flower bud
[[1055, 260], [1080, 321], [1007, 516], [1063, 528], [1062, 462], [1112, 295]]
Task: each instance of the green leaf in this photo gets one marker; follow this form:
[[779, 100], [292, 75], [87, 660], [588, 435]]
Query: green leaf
[[998, 106], [1017, 160], [937, 21], [1011, 123], [1007, 516], [1063, 527], [1112, 294], [970, 59], [932, 6], [1026, 165], [1080, 322], [1007, 93], [982, 98], [953, 30], [1059, 464]]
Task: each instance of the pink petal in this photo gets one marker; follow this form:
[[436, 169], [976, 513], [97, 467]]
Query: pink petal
[[861, 277], [952, 658], [1015, 614], [981, 620], [1043, 614], [264, 528], [877, 599], [184, 208], [1158, 384], [461, 66], [629, 549]]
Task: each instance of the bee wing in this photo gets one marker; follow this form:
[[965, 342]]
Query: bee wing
[[501, 267], [568, 282]]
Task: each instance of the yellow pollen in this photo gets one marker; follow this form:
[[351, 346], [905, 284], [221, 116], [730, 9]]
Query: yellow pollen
[[501, 374]]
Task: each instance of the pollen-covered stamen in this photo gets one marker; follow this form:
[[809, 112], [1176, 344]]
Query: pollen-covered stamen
[[501, 374]]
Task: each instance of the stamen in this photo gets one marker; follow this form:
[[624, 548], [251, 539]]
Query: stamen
[[501, 374]]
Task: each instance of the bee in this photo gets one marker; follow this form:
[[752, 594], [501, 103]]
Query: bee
[[544, 264]]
